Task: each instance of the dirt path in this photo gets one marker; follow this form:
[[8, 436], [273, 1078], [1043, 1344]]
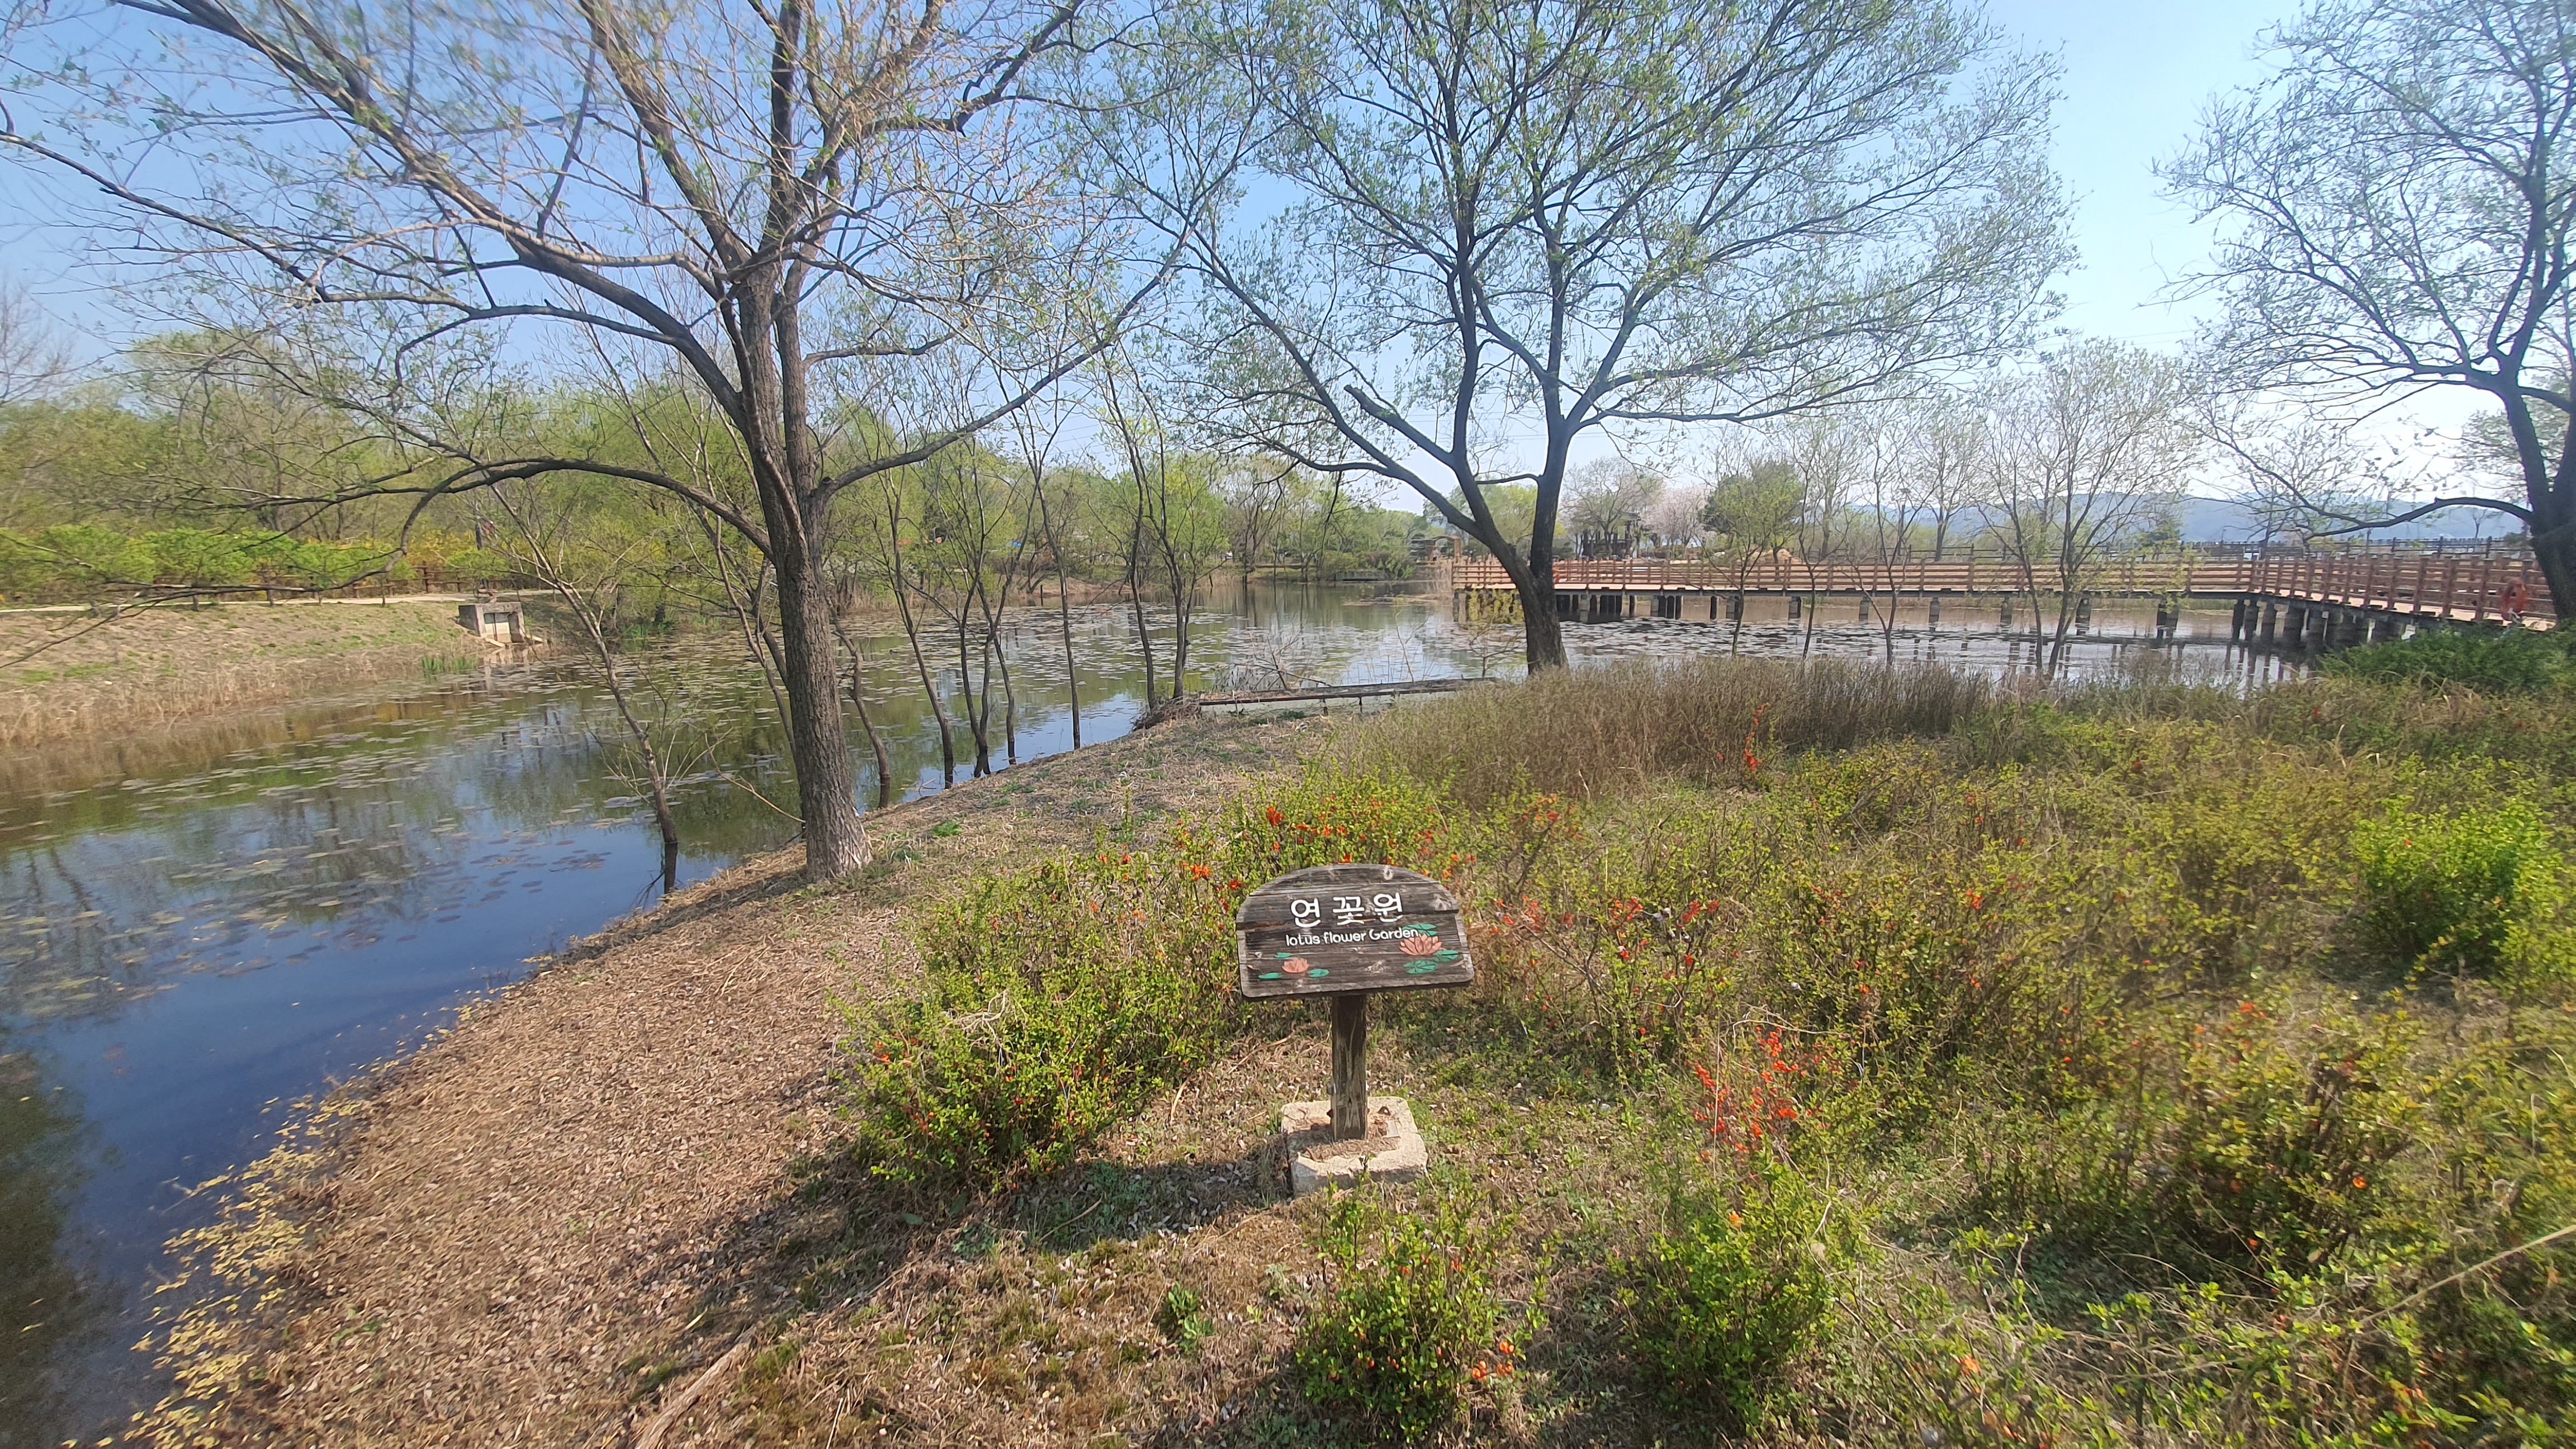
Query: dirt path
[[506, 1237]]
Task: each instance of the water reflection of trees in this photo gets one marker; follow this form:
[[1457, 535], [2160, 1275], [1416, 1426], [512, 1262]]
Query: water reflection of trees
[[47, 1305], [376, 818]]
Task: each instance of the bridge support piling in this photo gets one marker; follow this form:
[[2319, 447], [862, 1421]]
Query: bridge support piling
[[1796, 601], [2271, 619], [2084, 614], [1935, 610]]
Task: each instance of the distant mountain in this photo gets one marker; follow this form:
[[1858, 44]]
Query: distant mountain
[[2224, 520]]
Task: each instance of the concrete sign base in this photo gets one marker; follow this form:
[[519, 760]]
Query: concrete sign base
[[1391, 1152]]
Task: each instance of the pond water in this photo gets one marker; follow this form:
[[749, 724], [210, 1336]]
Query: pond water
[[200, 926]]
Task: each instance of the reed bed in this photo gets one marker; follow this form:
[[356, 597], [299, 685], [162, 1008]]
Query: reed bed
[[1591, 732], [159, 667]]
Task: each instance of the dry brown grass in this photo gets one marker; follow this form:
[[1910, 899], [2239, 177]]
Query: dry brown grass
[[1588, 732], [158, 665], [585, 1190]]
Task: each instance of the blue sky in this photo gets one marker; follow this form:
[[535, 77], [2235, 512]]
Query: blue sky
[[2136, 79]]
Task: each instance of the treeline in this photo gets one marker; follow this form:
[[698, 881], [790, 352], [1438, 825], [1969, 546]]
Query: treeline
[[170, 477]]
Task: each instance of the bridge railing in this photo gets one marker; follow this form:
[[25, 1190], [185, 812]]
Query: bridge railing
[[2446, 584], [2477, 583], [1786, 574]]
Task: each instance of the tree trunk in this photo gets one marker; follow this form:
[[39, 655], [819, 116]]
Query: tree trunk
[[1010, 708], [836, 843], [979, 703], [912, 638], [1063, 616], [1543, 640], [2553, 546], [876, 742], [1144, 639]]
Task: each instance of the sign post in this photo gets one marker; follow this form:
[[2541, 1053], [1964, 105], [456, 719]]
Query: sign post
[[1346, 932]]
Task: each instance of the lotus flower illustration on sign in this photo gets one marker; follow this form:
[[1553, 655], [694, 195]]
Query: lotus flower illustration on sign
[[1422, 942]]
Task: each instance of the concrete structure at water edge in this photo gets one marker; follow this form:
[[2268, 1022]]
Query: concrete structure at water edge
[[493, 621]]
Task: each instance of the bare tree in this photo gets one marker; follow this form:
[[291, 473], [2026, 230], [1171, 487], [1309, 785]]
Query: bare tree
[[1257, 494], [35, 358], [1674, 517], [1035, 430], [1828, 452], [2090, 451], [2300, 472], [1882, 524], [1174, 527], [899, 582], [2401, 204], [1508, 224], [788, 200], [586, 572], [1946, 473], [1608, 502]]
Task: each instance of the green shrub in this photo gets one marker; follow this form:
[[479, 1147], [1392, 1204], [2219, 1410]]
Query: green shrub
[[482, 565], [1410, 1320], [2277, 1145], [197, 557], [1734, 1291], [1053, 1002], [2244, 1146], [2518, 659], [2456, 889], [1055, 999], [71, 559]]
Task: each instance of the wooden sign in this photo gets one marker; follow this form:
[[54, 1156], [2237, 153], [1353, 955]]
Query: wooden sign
[[1344, 928], [1344, 931]]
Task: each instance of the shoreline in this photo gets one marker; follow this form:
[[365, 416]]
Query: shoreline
[[590, 1172]]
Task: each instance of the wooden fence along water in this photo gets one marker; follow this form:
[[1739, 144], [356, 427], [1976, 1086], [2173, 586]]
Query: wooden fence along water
[[2478, 585]]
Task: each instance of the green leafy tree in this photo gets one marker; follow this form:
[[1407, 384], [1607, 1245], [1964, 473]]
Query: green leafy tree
[[1541, 221], [1754, 513]]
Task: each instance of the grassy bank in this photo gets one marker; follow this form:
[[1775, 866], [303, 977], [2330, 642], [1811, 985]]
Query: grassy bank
[[1855, 1057], [157, 665]]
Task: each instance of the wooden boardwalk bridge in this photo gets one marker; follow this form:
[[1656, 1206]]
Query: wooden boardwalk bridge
[[2297, 599]]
